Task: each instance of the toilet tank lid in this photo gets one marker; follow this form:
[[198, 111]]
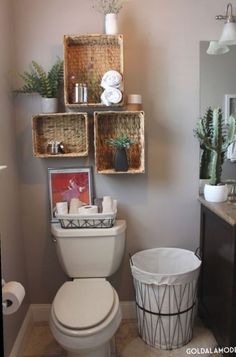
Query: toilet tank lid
[[118, 228]]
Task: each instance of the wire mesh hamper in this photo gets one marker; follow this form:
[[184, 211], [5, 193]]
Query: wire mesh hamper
[[165, 281]]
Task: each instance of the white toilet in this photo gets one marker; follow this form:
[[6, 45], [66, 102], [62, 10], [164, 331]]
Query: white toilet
[[85, 312]]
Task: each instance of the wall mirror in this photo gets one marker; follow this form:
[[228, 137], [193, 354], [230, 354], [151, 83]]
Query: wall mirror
[[218, 79]]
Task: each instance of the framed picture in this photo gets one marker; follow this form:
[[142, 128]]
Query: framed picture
[[68, 183], [230, 105]]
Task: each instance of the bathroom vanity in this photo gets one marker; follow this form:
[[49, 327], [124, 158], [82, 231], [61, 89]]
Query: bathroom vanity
[[217, 290]]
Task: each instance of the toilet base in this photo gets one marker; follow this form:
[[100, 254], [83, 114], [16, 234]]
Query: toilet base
[[102, 351]]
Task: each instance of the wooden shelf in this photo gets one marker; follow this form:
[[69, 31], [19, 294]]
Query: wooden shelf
[[86, 59], [112, 124], [69, 128], [113, 172]]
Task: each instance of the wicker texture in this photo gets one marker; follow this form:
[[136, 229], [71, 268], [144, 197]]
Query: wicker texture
[[69, 128], [86, 59], [111, 125]]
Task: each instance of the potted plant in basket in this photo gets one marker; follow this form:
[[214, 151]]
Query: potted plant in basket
[[216, 137], [121, 144], [37, 80], [110, 8]]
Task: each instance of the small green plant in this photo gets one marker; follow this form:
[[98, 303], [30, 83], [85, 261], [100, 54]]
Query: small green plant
[[108, 6], [216, 137], [37, 80], [121, 142]]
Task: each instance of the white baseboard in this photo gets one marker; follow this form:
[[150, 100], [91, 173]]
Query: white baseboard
[[40, 313], [23, 334], [128, 309]]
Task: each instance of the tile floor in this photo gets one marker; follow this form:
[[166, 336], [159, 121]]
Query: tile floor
[[126, 342]]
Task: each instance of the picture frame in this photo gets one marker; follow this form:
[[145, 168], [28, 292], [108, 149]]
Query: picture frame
[[68, 183], [230, 105]]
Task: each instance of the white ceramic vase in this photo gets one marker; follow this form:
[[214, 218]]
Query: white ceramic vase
[[202, 183], [111, 25], [49, 105], [214, 193]]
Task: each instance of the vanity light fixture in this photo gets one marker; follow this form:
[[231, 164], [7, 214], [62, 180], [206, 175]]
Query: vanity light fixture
[[228, 36], [216, 49]]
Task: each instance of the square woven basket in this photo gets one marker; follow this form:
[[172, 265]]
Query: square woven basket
[[86, 59], [113, 124], [69, 128]]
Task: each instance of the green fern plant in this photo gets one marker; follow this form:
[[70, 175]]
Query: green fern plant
[[37, 80], [120, 142]]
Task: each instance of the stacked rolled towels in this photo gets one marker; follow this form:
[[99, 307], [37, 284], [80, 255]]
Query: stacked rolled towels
[[112, 84]]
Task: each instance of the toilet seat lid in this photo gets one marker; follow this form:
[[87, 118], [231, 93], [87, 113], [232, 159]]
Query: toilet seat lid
[[83, 303]]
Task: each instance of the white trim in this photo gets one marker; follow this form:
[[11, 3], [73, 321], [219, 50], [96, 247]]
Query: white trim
[[40, 313], [23, 334], [128, 309]]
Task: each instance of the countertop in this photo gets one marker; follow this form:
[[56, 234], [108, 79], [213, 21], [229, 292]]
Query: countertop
[[226, 210]]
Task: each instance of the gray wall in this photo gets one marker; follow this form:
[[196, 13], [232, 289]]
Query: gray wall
[[13, 256], [217, 78], [161, 40]]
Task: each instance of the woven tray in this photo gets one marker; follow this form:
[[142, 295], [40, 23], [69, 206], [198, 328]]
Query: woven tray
[[109, 125], [86, 59], [69, 128], [98, 220]]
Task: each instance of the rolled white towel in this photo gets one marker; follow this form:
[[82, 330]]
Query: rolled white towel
[[111, 79], [104, 100], [111, 96]]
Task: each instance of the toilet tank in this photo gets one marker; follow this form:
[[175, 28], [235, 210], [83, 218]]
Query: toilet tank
[[91, 252]]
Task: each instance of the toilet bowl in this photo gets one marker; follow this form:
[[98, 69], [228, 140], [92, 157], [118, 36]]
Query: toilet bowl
[[85, 327], [85, 312]]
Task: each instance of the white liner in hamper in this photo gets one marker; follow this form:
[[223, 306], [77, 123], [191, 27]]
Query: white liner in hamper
[[96, 220]]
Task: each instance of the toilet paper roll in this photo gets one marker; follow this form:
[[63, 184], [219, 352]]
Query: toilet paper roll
[[75, 204], [88, 209], [13, 294]]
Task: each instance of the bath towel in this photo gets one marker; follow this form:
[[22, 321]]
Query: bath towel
[[111, 96], [111, 79]]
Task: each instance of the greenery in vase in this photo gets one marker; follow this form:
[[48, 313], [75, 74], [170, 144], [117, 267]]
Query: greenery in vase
[[216, 136], [121, 142], [108, 6], [37, 80]]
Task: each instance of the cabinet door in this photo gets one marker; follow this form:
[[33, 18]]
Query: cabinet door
[[217, 243]]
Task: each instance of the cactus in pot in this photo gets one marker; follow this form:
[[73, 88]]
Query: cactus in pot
[[216, 139], [205, 156]]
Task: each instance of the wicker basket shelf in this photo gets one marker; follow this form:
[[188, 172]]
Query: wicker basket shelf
[[69, 128], [113, 124], [86, 59]]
